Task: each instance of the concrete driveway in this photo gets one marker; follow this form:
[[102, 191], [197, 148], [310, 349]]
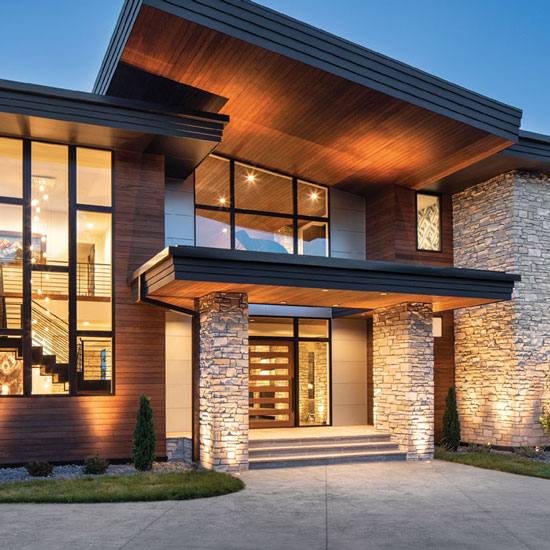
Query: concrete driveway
[[362, 506]]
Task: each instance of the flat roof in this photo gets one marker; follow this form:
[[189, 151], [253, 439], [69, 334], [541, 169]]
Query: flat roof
[[66, 116], [302, 100], [179, 275]]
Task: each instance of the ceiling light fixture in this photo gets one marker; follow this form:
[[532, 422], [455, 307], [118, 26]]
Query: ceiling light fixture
[[251, 178], [383, 294], [90, 225], [222, 200], [314, 196], [335, 305]]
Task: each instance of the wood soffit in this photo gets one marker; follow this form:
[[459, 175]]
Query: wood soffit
[[305, 102]]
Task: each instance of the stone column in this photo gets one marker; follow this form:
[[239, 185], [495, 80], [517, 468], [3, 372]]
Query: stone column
[[502, 351], [403, 376], [223, 381]]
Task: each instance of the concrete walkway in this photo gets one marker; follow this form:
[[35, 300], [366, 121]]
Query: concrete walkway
[[361, 506]]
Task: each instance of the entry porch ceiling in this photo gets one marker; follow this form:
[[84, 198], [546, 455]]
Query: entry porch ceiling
[[179, 275], [303, 101]]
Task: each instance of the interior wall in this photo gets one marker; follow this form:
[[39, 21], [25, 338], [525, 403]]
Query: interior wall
[[349, 372], [178, 374]]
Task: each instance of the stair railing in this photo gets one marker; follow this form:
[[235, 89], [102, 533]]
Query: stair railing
[[50, 332]]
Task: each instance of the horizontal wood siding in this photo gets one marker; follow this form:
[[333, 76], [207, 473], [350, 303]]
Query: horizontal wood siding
[[391, 229], [444, 368], [60, 428]]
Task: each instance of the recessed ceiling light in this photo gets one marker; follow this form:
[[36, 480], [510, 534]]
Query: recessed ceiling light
[[335, 305], [324, 290], [222, 200], [383, 294], [282, 302], [90, 225], [86, 324], [314, 196], [251, 178]]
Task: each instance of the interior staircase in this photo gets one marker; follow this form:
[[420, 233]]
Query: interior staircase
[[274, 452]]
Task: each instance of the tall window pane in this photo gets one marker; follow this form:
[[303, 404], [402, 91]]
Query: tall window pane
[[11, 167], [261, 190], [50, 332], [94, 365], [264, 234], [11, 272], [312, 238], [93, 271], [93, 177], [313, 383], [212, 229], [50, 204], [428, 222], [212, 182], [312, 200]]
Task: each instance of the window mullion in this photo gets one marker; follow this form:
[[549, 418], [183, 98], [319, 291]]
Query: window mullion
[[72, 272]]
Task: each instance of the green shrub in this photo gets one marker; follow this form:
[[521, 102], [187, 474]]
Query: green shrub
[[451, 423], [39, 468], [94, 465], [545, 421], [145, 440]]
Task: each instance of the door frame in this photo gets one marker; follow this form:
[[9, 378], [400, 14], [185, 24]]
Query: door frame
[[296, 340]]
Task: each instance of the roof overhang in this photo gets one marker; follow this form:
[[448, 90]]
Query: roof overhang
[[530, 154], [301, 100], [179, 275], [52, 114]]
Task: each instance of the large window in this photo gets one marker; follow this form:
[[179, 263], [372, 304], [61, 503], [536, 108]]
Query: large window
[[242, 207], [428, 222], [55, 269]]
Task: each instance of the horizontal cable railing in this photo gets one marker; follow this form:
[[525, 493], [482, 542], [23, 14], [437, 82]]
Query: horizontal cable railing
[[92, 280]]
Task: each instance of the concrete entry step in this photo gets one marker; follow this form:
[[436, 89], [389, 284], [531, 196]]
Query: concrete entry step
[[335, 448], [320, 446]]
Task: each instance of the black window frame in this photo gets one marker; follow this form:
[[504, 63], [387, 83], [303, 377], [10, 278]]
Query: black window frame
[[440, 201], [233, 211], [28, 267]]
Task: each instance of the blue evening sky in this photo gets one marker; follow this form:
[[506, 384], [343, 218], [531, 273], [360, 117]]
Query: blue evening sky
[[499, 48]]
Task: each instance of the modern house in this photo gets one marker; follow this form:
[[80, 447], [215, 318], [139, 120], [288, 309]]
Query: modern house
[[264, 227]]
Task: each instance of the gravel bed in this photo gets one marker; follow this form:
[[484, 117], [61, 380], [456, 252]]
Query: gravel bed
[[73, 471]]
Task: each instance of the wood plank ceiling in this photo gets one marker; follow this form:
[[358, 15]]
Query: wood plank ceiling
[[289, 116]]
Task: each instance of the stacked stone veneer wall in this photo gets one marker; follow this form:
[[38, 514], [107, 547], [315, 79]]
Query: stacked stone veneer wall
[[223, 381], [403, 376], [503, 350], [313, 411]]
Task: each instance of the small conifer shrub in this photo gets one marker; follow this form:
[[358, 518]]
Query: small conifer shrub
[[39, 468], [145, 440], [451, 423]]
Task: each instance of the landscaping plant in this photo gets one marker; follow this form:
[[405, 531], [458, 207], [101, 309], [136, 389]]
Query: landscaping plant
[[145, 440], [451, 423], [94, 465], [38, 468], [545, 417]]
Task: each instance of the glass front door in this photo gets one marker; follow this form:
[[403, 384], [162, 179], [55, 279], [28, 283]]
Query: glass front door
[[271, 385]]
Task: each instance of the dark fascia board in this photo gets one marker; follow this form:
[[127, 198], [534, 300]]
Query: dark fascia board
[[530, 145], [235, 266], [273, 31], [80, 107]]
